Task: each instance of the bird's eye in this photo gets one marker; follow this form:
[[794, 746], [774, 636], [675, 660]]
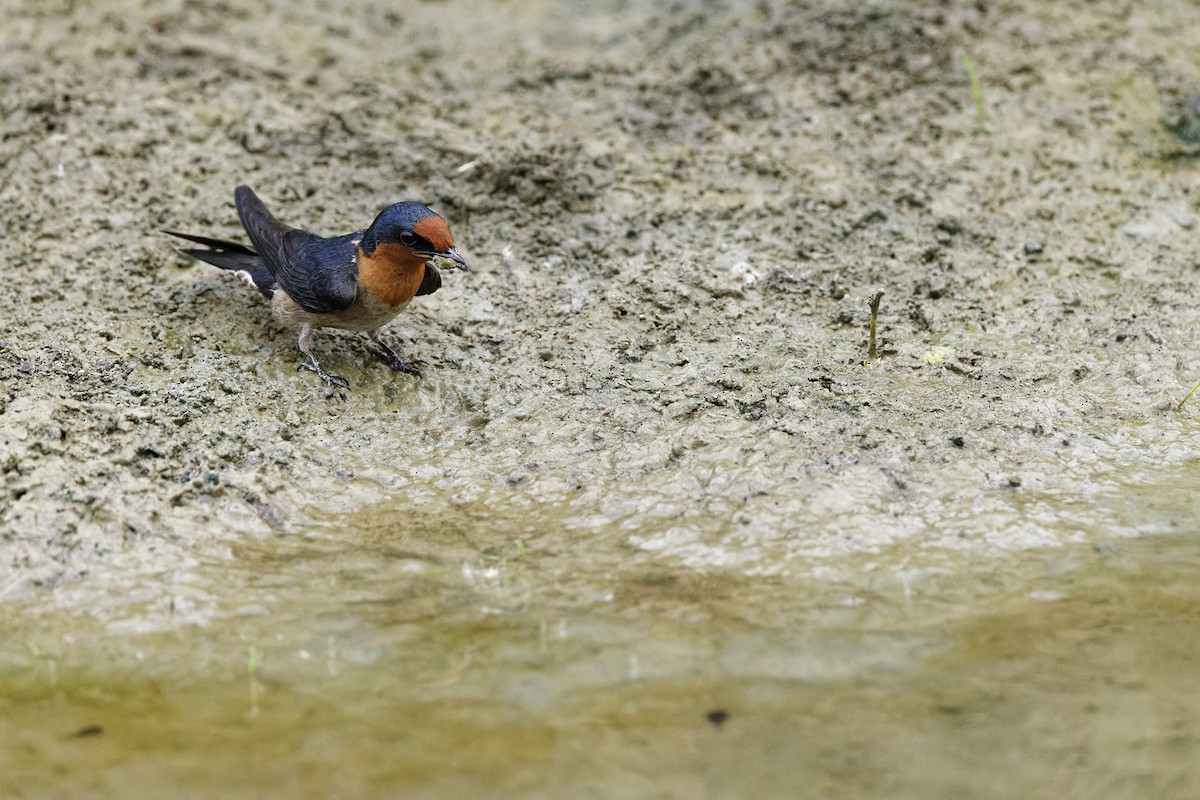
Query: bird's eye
[[408, 239]]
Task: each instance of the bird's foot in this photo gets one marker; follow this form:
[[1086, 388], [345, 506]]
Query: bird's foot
[[328, 377], [389, 356]]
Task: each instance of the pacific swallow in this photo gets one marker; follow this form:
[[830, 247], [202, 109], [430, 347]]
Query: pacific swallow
[[359, 281]]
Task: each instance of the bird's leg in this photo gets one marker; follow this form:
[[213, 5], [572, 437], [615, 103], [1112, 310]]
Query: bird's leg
[[306, 332], [389, 356]]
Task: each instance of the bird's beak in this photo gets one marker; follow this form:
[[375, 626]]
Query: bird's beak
[[452, 255]]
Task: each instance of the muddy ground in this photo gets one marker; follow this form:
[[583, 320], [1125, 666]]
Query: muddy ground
[[653, 389]]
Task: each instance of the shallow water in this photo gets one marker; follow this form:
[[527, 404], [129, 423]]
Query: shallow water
[[303, 667]]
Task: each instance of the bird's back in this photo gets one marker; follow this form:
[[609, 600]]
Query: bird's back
[[319, 274]]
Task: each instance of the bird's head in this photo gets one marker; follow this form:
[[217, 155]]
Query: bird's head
[[414, 227]]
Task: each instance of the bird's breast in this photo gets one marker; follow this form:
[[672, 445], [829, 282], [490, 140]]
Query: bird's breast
[[366, 314], [392, 274]]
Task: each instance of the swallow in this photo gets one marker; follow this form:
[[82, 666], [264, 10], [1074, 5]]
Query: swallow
[[358, 282]]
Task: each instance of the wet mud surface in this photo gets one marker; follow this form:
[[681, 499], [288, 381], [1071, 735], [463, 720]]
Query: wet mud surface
[[647, 416]]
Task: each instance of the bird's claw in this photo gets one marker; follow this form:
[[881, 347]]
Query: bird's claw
[[328, 377], [388, 356]]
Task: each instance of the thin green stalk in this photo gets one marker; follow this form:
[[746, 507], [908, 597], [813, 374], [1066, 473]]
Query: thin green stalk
[[976, 90], [1189, 395]]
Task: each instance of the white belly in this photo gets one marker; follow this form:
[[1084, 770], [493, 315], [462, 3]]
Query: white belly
[[366, 314]]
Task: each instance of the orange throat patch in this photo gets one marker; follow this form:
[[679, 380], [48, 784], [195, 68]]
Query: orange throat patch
[[392, 274]]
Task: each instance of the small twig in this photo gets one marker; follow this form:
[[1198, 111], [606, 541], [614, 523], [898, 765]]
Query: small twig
[[871, 354]]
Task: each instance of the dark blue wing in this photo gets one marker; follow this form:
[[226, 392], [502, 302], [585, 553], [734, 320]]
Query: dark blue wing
[[319, 274]]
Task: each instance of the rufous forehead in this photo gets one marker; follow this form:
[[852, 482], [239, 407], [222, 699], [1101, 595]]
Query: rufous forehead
[[434, 230]]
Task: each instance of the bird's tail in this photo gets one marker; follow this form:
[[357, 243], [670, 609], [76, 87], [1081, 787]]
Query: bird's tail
[[232, 256]]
